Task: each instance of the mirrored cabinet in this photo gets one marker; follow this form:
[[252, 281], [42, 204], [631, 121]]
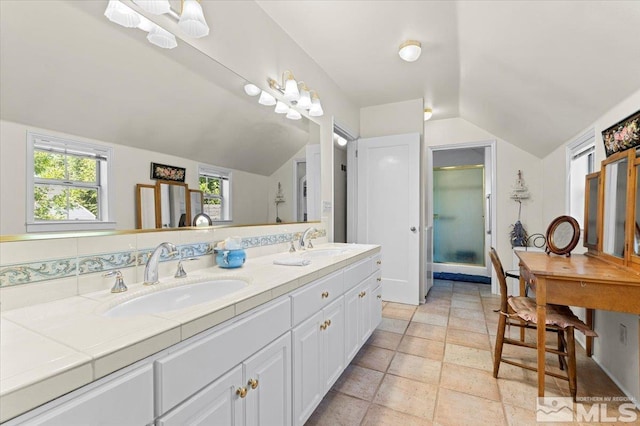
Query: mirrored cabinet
[[612, 210]]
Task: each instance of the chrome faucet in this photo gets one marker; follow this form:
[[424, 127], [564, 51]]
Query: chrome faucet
[[304, 236], [151, 270]]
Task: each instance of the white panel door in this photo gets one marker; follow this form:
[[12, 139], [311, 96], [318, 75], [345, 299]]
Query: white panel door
[[389, 210]]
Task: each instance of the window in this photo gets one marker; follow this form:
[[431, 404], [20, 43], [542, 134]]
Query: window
[[215, 185], [67, 185], [581, 159]]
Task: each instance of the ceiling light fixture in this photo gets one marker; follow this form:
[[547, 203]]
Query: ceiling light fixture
[[281, 108], [266, 99], [190, 20], [410, 50], [293, 114], [428, 112], [251, 89], [297, 93]]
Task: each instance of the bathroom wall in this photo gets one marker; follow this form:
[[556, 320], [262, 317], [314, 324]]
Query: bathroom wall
[[621, 361]]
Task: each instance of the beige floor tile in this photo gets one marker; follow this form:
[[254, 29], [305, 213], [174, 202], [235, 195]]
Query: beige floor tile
[[466, 297], [469, 380], [524, 393], [431, 318], [408, 396], [472, 306], [393, 325], [461, 287], [359, 382], [469, 357], [456, 408], [338, 409], [468, 338], [385, 339], [398, 311], [373, 357], [415, 367], [467, 314], [427, 331], [382, 416], [426, 348], [477, 326]]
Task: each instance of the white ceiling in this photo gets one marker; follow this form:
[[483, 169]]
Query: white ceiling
[[534, 73]]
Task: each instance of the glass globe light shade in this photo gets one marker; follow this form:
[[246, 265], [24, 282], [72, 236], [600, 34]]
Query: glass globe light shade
[[121, 14], [192, 19]]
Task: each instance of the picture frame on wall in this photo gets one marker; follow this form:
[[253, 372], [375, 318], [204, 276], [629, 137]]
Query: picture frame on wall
[[171, 173], [623, 135]]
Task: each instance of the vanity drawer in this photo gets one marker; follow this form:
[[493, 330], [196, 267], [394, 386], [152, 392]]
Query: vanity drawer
[[354, 274], [313, 297], [193, 367], [376, 262]]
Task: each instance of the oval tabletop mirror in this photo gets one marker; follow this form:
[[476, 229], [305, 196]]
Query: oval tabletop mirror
[[562, 235], [202, 219]]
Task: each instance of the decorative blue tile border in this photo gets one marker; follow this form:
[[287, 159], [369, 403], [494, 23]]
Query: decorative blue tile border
[[51, 269]]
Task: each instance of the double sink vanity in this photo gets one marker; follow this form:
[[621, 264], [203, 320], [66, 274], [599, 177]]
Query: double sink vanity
[[261, 344]]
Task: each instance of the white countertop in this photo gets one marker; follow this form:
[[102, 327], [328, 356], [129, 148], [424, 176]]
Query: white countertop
[[50, 349]]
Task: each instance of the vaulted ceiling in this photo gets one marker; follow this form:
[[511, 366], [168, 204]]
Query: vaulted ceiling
[[534, 73]]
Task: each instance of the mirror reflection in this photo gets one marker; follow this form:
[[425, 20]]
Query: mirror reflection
[[615, 207], [636, 229], [591, 231], [85, 78]]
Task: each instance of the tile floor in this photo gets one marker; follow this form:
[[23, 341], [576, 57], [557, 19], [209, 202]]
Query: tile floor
[[432, 365]]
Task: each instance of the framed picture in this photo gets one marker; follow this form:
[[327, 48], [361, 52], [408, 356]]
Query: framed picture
[[164, 172], [623, 135]]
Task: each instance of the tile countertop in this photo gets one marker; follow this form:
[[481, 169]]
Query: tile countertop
[[50, 349]]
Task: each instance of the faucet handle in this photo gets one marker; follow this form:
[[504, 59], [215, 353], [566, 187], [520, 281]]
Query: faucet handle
[[292, 248], [119, 285], [180, 273], [309, 245]]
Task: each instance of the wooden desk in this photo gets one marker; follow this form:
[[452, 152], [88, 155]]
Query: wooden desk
[[578, 280]]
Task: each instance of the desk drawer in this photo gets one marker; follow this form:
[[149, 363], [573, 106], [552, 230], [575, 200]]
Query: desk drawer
[[313, 297]]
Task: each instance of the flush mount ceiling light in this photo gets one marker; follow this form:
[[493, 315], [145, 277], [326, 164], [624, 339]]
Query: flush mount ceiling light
[[428, 112], [190, 20], [410, 50], [251, 89]]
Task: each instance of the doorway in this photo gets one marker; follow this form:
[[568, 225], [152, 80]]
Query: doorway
[[341, 140], [460, 210]]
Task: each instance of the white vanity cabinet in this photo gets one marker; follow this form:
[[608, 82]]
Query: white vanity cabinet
[[256, 392], [120, 399], [318, 358]]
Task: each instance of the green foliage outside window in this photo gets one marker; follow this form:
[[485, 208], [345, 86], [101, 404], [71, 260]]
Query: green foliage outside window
[[76, 186]]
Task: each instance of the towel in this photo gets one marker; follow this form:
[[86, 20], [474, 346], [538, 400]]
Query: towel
[[292, 261]]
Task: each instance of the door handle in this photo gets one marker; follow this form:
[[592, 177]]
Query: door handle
[[488, 220], [413, 229]]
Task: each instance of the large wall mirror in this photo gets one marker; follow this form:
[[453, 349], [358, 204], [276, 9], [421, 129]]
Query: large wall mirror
[[71, 70]]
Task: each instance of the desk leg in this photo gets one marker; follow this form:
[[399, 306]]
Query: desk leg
[[589, 348], [541, 300]]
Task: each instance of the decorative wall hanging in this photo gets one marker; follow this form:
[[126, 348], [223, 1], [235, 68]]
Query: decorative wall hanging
[[518, 235], [164, 172], [623, 135]]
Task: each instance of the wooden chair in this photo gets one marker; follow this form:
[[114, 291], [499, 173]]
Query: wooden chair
[[521, 312]]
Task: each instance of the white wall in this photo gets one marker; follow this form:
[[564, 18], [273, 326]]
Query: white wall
[[284, 176], [130, 166], [510, 159], [391, 119], [622, 362]]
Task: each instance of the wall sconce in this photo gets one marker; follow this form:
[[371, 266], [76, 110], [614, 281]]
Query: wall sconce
[[298, 94], [190, 20]]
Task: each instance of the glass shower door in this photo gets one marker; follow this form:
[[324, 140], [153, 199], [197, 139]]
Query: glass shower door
[[458, 219]]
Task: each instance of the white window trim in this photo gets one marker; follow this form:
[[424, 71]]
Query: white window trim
[[223, 173], [108, 221], [578, 145]]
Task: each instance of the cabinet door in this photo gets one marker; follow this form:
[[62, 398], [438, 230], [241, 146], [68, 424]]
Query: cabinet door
[[217, 404], [376, 306], [351, 334], [307, 368], [125, 400], [268, 381], [364, 311], [333, 343]]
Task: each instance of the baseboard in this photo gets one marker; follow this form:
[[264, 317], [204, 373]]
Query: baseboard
[[615, 380]]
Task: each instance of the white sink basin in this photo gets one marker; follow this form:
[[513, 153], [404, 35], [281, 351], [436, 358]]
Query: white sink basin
[[324, 252], [176, 298]]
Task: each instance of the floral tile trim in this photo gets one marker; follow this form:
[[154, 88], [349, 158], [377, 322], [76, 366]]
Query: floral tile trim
[[38, 271], [51, 269]]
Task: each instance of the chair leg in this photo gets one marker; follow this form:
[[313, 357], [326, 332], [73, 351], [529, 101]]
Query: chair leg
[[502, 325], [561, 348], [571, 361]]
